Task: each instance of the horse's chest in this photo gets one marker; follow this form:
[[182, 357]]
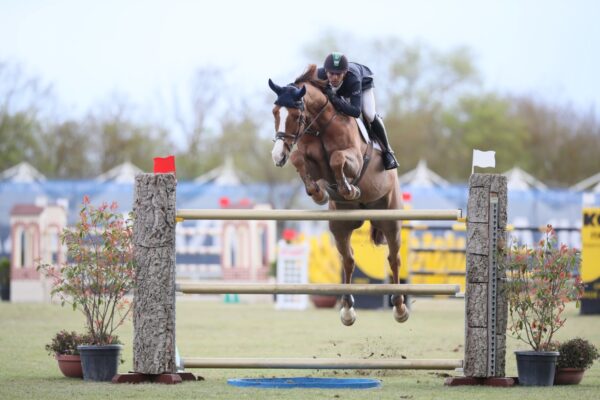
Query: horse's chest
[[320, 149], [311, 147], [313, 154]]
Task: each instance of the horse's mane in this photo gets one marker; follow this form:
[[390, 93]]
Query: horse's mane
[[310, 76]]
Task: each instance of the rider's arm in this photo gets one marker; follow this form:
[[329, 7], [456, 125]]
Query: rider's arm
[[353, 107]]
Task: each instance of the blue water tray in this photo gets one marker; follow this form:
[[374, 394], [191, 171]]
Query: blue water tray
[[311, 383]]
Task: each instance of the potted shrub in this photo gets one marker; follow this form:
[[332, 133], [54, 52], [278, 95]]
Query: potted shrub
[[576, 355], [540, 281], [96, 278], [64, 348]]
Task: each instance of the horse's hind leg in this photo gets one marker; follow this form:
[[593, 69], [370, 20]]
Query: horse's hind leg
[[342, 242], [392, 235]]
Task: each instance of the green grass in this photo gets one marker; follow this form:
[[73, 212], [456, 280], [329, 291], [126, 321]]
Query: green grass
[[212, 329]]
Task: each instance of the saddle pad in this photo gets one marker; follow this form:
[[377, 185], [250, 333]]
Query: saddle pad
[[364, 134]]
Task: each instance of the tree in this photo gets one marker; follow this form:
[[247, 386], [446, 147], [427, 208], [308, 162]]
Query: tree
[[21, 100], [117, 137], [68, 152], [206, 89], [484, 122], [557, 133]]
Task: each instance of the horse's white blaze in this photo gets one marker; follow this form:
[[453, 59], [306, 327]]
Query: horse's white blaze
[[278, 151], [283, 114]]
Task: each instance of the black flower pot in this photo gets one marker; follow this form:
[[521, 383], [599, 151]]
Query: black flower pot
[[4, 292], [100, 363], [536, 368]]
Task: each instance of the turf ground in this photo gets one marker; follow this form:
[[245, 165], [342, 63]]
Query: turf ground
[[215, 329]]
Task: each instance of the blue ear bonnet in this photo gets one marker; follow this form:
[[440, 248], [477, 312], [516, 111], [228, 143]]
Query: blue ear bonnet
[[289, 96]]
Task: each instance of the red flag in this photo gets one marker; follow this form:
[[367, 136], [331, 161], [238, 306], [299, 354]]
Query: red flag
[[224, 202], [289, 234], [164, 165]]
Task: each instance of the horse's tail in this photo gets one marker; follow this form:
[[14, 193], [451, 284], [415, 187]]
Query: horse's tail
[[377, 236]]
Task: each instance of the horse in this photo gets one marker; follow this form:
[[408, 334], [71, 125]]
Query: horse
[[337, 166]]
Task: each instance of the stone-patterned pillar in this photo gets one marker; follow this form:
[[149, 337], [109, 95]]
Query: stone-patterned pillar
[[154, 297], [485, 303]]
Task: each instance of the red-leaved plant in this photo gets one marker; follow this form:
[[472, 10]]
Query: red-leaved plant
[[99, 271], [65, 343], [540, 282]]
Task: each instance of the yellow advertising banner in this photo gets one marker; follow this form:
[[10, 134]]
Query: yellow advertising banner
[[590, 245], [590, 261], [371, 259]]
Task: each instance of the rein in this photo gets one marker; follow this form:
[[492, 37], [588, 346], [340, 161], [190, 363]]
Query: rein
[[317, 117]]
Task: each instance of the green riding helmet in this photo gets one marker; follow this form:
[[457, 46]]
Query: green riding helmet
[[336, 62]]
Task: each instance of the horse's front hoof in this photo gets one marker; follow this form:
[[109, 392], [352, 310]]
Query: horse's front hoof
[[347, 315], [402, 315], [354, 192], [323, 200]]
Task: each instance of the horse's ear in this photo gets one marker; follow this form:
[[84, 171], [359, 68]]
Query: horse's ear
[[274, 87], [300, 94]]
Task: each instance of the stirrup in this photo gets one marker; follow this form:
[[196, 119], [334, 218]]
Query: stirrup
[[389, 161]]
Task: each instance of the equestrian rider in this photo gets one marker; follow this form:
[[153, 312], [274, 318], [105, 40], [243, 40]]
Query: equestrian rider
[[355, 82]]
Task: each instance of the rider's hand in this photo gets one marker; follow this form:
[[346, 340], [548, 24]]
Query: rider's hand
[[329, 91], [336, 101]]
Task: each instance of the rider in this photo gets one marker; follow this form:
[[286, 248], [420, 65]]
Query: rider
[[355, 81]]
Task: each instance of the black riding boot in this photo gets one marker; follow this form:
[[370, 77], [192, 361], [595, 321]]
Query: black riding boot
[[378, 129]]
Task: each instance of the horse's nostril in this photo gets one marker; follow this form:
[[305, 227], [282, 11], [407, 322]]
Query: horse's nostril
[[282, 162]]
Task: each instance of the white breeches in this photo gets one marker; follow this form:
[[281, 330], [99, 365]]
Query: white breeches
[[368, 104]]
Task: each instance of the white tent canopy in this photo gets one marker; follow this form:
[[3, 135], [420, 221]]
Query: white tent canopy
[[423, 177], [22, 173], [521, 180], [591, 184], [221, 176], [123, 173]]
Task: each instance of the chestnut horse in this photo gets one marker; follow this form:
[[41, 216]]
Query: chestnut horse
[[336, 165]]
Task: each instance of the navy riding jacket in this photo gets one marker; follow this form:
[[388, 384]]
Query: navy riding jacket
[[358, 79]]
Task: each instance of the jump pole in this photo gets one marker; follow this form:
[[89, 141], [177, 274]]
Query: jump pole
[[320, 215], [320, 363], [321, 289], [154, 297]]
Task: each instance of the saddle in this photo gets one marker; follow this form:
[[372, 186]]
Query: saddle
[[366, 134]]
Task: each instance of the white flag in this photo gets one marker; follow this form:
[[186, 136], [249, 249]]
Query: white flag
[[483, 159]]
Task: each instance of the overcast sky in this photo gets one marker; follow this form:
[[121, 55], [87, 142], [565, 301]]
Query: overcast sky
[[148, 50]]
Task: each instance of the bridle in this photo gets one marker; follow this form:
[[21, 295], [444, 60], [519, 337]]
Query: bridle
[[293, 137], [302, 129]]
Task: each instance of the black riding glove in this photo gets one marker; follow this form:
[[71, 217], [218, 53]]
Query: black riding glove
[[329, 91], [338, 102], [333, 98]]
